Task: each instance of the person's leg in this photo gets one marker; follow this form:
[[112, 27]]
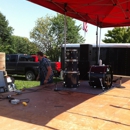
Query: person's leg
[[41, 82], [51, 81]]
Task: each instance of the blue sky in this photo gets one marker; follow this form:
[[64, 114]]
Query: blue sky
[[22, 16]]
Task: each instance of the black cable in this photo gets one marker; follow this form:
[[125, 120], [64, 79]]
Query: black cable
[[1, 99], [60, 91], [117, 79], [9, 97], [36, 90], [67, 93], [27, 100]]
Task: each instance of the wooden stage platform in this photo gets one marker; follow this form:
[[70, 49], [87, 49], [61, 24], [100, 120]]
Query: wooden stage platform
[[68, 110]]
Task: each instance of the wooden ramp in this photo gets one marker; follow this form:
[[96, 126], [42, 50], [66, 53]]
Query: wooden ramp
[[65, 110]]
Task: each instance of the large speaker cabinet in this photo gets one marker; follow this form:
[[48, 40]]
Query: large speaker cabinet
[[84, 67], [85, 52], [84, 60]]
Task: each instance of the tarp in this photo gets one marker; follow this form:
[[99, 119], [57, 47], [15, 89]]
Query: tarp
[[101, 13]]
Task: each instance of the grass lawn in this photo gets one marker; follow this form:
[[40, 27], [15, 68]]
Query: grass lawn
[[21, 82]]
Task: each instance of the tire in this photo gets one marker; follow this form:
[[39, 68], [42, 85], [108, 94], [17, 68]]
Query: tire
[[30, 75]]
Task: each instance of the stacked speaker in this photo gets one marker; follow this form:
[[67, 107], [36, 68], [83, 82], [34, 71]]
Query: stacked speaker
[[71, 73], [84, 60]]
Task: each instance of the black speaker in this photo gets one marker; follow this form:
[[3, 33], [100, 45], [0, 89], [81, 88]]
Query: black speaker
[[84, 67], [85, 52]]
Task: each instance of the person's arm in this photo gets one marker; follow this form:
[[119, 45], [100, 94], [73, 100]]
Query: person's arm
[[38, 76], [48, 72]]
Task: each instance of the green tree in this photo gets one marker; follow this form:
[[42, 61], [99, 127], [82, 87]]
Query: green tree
[[40, 34], [118, 35], [5, 34], [23, 45], [14, 44], [33, 48], [48, 34], [5, 30], [57, 31]]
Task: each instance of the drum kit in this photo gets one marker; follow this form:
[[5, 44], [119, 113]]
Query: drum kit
[[99, 75], [71, 73]]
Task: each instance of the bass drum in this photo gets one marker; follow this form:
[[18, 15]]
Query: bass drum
[[100, 76], [71, 79]]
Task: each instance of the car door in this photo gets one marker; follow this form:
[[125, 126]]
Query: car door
[[11, 63]]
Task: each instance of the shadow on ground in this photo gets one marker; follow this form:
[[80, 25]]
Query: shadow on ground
[[45, 103]]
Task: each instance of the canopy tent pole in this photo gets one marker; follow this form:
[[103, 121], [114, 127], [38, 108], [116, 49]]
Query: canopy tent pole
[[99, 45], [64, 38], [65, 24]]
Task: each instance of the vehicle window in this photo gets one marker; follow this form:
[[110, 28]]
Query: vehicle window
[[13, 58], [26, 58], [7, 58], [31, 59], [22, 59]]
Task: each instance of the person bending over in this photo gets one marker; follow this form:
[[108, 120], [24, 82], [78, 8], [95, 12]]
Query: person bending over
[[45, 71]]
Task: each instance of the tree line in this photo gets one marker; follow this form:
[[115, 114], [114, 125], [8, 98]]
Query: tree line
[[10, 43], [48, 35]]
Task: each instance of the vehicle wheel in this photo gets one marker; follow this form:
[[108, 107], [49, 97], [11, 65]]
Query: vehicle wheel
[[30, 75]]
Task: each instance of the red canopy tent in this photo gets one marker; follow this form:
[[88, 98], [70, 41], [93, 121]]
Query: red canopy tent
[[102, 13]]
